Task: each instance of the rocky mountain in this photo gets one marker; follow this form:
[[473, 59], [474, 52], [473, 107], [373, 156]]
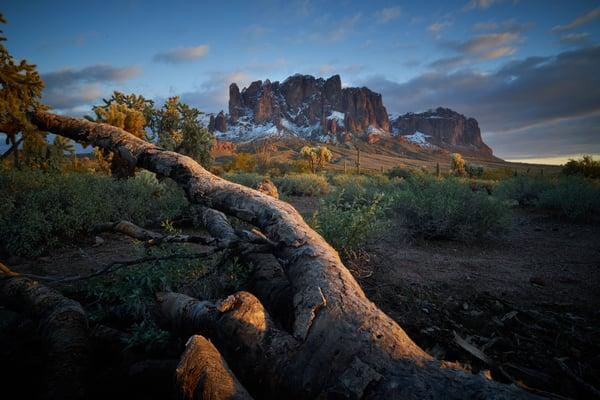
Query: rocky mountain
[[443, 128], [320, 109]]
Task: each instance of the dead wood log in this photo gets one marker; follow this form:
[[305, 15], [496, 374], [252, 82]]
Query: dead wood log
[[63, 327], [345, 344], [150, 237], [203, 374]]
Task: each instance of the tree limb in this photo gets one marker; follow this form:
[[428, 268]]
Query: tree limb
[[64, 328]]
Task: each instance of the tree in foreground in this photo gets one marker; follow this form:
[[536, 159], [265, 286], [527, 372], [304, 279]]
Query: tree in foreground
[[20, 91]]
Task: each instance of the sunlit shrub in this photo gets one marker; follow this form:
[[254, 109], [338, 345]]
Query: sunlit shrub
[[302, 184], [347, 225]]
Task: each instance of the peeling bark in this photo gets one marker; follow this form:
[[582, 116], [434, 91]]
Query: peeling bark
[[344, 344], [63, 327], [203, 374]]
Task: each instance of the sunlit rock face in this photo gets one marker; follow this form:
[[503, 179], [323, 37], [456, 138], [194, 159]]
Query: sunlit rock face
[[320, 109], [309, 107], [441, 127]]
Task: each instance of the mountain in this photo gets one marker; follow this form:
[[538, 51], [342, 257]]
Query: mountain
[[321, 110], [443, 128]]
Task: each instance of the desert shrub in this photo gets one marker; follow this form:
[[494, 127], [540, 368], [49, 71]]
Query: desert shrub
[[129, 294], [302, 184], [448, 208], [399, 172], [474, 171], [523, 189], [483, 185], [498, 173], [299, 166], [574, 197], [250, 179], [586, 166], [244, 162], [346, 225], [364, 187], [41, 209]]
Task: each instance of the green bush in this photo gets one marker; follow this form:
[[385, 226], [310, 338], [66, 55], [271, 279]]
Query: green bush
[[346, 225], [448, 208], [586, 166], [474, 171], [302, 184], [523, 189], [250, 179], [128, 295], [399, 172], [576, 198], [364, 188], [41, 209]]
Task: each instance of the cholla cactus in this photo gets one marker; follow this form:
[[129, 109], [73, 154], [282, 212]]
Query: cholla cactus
[[458, 165]]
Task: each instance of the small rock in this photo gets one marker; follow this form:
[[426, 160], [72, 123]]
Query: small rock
[[98, 241], [465, 306]]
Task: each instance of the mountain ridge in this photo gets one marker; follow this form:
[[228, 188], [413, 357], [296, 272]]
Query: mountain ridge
[[322, 110]]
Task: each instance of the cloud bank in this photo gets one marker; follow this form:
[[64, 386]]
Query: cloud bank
[[182, 55]]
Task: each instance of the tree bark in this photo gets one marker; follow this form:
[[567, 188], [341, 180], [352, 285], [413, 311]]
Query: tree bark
[[341, 344], [203, 374], [63, 327]]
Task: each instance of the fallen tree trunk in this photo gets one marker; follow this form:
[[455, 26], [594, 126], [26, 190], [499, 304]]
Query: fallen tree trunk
[[341, 343], [63, 327], [203, 374]]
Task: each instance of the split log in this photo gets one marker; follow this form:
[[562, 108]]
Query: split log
[[63, 327], [346, 345], [203, 374]]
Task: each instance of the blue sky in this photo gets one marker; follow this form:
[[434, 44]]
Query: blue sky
[[524, 69]]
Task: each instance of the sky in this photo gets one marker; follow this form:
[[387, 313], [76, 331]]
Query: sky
[[527, 70]]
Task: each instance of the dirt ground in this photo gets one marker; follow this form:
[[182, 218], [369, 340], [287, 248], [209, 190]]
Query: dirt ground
[[529, 302]]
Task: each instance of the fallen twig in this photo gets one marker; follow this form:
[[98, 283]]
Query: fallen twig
[[116, 265]]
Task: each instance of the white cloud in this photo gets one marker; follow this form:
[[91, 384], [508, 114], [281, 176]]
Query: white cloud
[[581, 20], [182, 54], [387, 14]]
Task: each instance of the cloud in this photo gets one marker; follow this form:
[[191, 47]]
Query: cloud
[[337, 33], [255, 31], [480, 4], [581, 20], [325, 69], [436, 27], [93, 73], [70, 88], [182, 54], [577, 39], [344, 27], [213, 94], [523, 96], [488, 46], [387, 14], [485, 26]]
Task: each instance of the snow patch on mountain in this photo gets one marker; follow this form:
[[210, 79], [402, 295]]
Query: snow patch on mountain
[[419, 138]]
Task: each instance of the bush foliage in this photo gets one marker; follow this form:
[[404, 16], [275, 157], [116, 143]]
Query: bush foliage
[[449, 208], [41, 209]]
